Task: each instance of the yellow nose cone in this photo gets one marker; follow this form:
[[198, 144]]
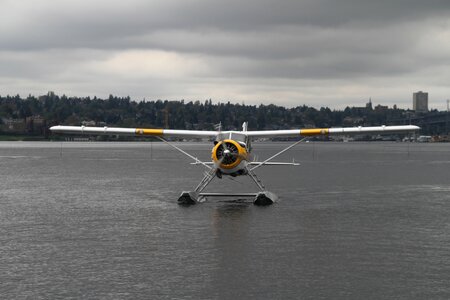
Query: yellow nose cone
[[241, 154]]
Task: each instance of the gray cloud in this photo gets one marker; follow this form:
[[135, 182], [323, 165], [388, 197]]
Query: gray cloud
[[105, 24], [320, 52]]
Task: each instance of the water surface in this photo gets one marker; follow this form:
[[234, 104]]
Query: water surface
[[100, 221]]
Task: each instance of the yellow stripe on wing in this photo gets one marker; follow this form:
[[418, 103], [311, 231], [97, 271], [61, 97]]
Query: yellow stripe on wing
[[315, 131], [153, 132]]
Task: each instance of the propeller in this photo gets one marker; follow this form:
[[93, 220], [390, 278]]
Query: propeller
[[227, 153]]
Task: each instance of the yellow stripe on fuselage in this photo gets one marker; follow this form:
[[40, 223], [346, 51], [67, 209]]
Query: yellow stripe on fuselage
[[153, 132], [315, 131]]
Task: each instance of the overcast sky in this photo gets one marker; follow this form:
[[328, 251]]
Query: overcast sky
[[333, 53]]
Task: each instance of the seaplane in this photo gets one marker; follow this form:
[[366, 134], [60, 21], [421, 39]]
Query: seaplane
[[231, 151]]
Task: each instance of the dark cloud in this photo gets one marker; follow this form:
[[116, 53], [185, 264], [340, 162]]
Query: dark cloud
[[30, 24], [192, 48]]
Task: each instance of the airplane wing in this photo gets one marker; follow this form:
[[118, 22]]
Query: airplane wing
[[263, 133], [132, 131], [333, 131]]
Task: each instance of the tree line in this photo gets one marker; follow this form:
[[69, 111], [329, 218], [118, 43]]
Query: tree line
[[33, 115]]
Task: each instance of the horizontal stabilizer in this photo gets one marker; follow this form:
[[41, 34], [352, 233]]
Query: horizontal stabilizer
[[253, 163]]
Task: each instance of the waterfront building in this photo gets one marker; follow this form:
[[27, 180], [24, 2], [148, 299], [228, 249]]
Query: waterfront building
[[420, 101]]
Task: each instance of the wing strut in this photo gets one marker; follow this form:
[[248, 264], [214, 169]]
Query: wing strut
[[279, 153], [184, 152]]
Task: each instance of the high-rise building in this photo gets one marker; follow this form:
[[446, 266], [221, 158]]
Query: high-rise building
[[369, 104], [420, 101]]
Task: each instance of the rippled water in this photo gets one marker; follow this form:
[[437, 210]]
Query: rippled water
[[100, 221]]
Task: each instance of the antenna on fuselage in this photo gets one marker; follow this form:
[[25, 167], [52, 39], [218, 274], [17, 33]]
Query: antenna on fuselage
[[218, 127]]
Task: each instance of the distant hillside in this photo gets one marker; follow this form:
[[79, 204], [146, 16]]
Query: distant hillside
[[32, 116]]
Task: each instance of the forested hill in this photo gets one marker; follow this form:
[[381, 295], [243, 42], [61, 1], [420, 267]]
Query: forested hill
[[33, 115]]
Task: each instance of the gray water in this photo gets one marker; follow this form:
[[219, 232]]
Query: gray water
[[100, 221]]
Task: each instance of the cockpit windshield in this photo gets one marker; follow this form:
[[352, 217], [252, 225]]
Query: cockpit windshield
[[241, 138]]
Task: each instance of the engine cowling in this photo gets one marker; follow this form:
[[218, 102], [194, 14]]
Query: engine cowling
[[228, 154]]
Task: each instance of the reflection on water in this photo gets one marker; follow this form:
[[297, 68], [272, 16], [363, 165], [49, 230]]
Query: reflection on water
[[100, 220]]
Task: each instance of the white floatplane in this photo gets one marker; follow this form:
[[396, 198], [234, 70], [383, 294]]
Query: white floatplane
[[230, 155]]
